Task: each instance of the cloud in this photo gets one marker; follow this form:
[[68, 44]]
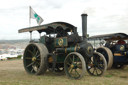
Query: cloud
[[104, 16]]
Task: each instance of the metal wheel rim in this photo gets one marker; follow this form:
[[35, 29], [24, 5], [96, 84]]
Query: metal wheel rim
[[32, 59], [107, 54], [97, 65], [74, 65]]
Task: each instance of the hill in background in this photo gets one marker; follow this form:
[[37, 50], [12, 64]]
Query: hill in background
[[6, 44]]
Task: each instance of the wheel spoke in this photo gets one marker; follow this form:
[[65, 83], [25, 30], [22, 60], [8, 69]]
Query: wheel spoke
[[34, 49], [100, 70], [32, 70], [70, 70], [73, 58], [77, 72], [70, 59], [37, 63], [37, 53], [77, 60], [30, 64], [68, 63], [93, 71], [30, 52], [100, 66], [35, 68], [96, 71], [38, 59], [28, 58]]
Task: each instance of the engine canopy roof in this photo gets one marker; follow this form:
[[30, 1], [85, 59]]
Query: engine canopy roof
[[113, 36], [50, 28]]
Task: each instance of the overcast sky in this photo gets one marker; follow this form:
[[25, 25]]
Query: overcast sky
[[104, 16]]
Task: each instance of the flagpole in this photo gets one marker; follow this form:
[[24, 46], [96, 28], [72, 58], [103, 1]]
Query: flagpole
[[29, 16], [30, 22]]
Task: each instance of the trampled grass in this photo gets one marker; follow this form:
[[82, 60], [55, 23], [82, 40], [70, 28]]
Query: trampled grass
[[13, 73]]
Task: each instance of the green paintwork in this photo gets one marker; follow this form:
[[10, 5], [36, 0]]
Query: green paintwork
[[60, 58], [42, 39], [61, 42], [68, 50], [71, 49]]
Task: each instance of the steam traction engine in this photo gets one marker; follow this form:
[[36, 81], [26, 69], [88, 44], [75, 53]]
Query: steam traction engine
[[114, 47], [62, 49]]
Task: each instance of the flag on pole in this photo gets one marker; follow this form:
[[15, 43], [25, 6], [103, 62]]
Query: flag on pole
[[34, 15]]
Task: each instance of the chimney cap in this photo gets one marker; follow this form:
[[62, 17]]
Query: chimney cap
[[84, 15]]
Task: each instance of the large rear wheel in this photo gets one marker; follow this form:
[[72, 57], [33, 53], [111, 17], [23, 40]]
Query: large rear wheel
[[34, 58], [74, 65]]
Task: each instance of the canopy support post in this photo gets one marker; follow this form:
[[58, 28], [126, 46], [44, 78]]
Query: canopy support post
[[30, 35], [94, 43], [39, 33]]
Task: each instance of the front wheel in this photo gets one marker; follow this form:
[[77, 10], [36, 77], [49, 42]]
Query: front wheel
[[97, 64], [74, 65], [107, 53]]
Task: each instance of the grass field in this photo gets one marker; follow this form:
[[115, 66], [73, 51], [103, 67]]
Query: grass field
[[12, 73]]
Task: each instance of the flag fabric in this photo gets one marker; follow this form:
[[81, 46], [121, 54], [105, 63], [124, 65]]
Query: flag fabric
[[34, 15]]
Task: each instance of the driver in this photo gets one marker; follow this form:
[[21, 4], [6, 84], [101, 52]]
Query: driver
[[121, 42]]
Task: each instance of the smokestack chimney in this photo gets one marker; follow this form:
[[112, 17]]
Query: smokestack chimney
[[84, 26]]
